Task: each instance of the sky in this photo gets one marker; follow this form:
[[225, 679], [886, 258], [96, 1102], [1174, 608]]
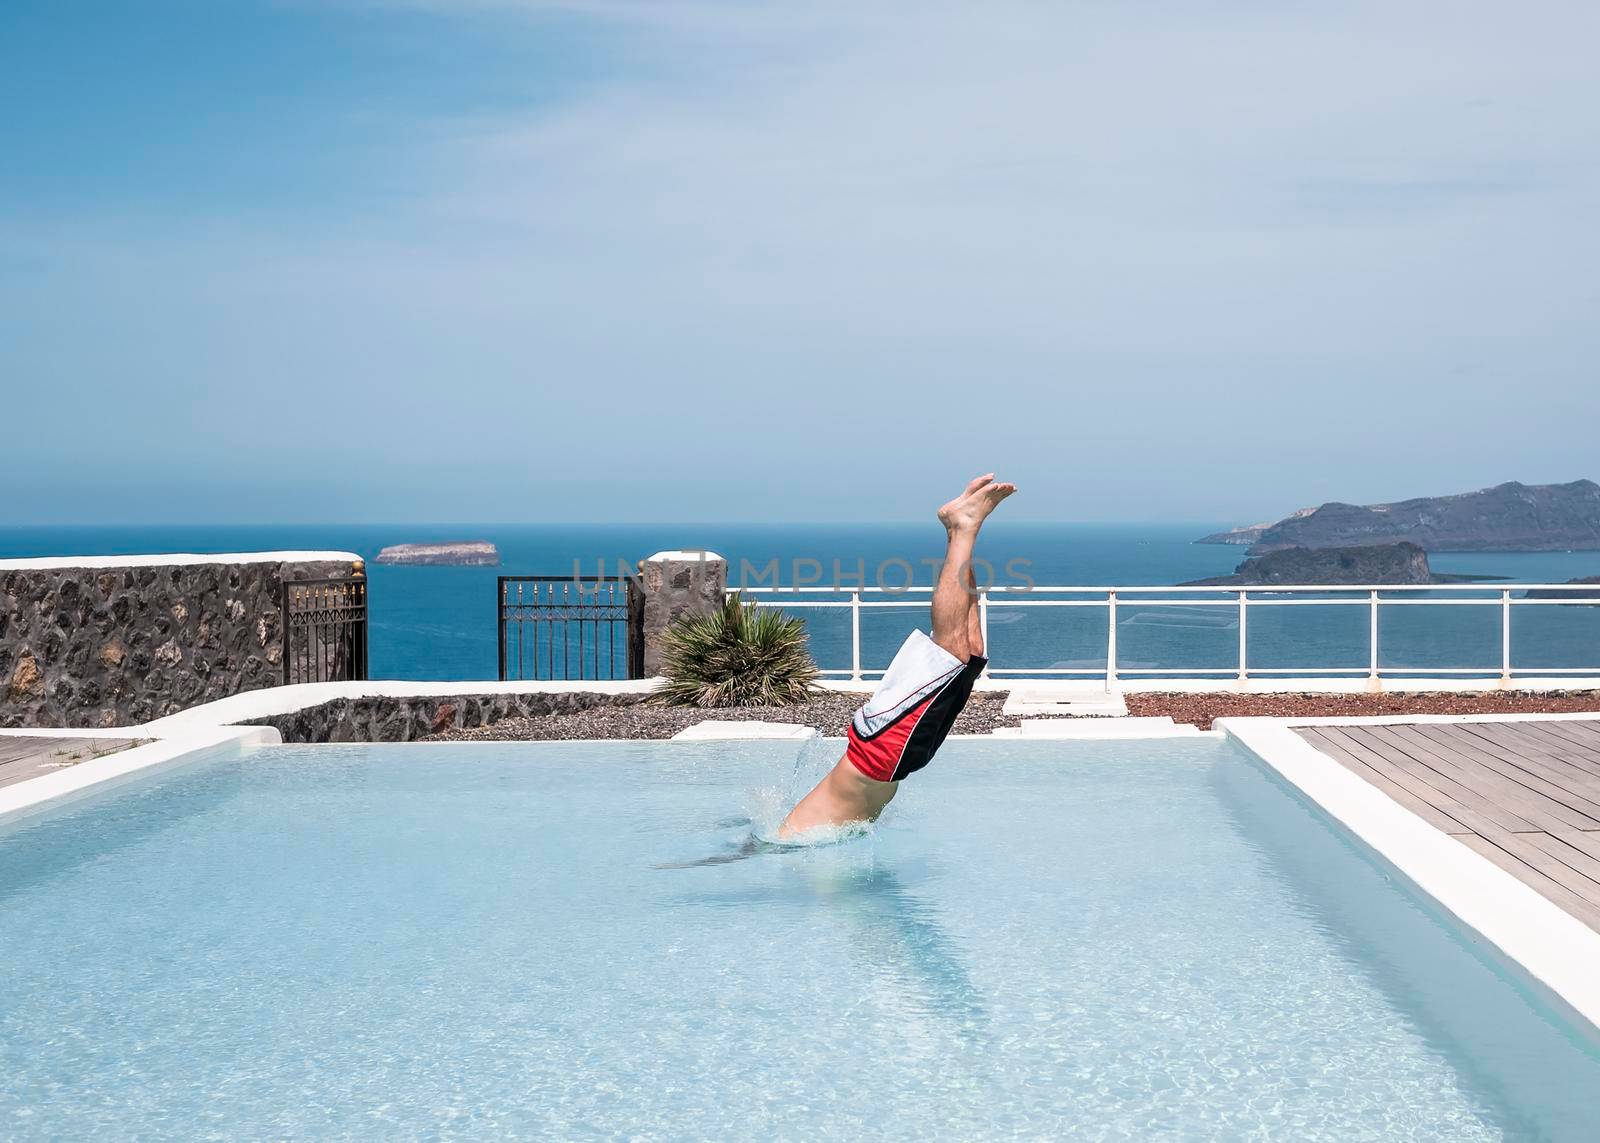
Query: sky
[[518, 260]]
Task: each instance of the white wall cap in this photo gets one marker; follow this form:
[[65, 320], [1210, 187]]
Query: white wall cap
[[175, 559], [271, 701], [683, 557]]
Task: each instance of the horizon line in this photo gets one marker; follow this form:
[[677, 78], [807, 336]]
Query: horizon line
[[867, 523]]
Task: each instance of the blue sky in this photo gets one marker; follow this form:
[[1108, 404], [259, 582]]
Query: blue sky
[[357, 261]]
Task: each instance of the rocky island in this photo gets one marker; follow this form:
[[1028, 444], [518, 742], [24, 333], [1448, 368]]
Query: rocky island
[[1250, 533], [1584, 587], [1399, 564], [1509, 517], [466, 553]]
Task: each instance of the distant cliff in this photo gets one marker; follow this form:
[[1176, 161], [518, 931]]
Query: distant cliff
[[1249, 534], [1509, 517], [469, 553], [1364, 564]]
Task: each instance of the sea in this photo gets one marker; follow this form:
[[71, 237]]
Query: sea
[[441, 622]]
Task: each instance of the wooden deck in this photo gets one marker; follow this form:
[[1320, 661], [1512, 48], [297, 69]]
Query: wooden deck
[[1526, 795], [23, 757]]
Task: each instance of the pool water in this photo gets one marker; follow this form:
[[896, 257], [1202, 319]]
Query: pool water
[[1102, 940]]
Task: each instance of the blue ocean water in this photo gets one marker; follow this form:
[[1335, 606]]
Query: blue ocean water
[[440, 622], [1113, 940]]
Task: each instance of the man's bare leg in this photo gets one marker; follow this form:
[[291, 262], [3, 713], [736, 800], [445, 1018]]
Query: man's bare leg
[[845, 794], [955, 598]]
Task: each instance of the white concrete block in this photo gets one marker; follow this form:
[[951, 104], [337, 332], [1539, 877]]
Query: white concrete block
[[1065, 700], [1091, 728], [717, 730]]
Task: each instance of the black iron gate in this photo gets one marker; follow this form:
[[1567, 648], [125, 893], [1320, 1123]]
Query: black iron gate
[[324, 630], [571, 627]]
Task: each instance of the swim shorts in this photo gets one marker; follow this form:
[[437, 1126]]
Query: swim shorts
[[911, 712]]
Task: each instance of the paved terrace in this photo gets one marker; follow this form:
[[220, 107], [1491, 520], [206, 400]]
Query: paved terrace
[[1525, 794], [22, 757]]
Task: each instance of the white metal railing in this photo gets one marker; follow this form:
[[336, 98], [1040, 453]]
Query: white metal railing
[[1243, 600]]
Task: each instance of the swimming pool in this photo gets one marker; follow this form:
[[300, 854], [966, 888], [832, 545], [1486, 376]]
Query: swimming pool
[[566, 940]]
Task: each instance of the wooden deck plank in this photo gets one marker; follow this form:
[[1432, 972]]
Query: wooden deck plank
[[1554, 791], [1583, 752], [1420, 778], [1584, 841], [1508, 738], [1504, 785], [28, 757], [1520, 794], [12, 748], [1471, 743], [1374, 762], [1550, 764], [1572, 857], [1522, 846], [1581, 791], [1583, 733], [1552, 890], [1436, 816]]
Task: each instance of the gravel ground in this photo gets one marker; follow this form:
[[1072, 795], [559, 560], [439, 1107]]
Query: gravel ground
[[829, 713], [1200, 709]]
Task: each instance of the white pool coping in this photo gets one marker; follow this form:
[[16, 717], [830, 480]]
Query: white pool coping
[[270, 702], [1553, 947], [745, 730], [54, 563], [1274, 685], [71, 782]]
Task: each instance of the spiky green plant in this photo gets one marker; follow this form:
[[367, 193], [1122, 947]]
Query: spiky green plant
[[739, 655]]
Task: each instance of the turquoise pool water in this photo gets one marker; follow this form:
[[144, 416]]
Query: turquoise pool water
[[1042, 939]]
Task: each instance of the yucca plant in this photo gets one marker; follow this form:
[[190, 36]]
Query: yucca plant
[[739, 655]]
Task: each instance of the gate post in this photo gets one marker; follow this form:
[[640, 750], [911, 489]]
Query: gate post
[[673, 584]]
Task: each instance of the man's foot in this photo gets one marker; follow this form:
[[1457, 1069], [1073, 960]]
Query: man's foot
[[969, 510]]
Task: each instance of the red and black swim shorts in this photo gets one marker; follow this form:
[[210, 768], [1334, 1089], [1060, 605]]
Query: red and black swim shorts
[[911, 712]]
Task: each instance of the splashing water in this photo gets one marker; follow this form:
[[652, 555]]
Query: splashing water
[[769, 802]]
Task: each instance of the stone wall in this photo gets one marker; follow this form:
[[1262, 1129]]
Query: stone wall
[[101, 645], [389, 719], [677, 584]]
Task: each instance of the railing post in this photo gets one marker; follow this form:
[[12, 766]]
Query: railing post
[[500, 608], [983, 625], [855, 636], [1111, 641], [283, 620], [1505, 636], [1372, 647], [1244, 671]]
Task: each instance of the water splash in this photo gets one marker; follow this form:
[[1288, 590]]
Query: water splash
[[768, 802]]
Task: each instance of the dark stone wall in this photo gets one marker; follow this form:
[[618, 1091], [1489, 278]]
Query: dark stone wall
[[674, 588], [93, 647], [403, 719]]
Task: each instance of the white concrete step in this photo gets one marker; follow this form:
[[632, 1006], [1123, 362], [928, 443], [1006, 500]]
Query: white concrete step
[[1098, 728], [1066, 700], [725, 729]]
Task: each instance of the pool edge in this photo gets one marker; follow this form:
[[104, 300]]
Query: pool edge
[[1554, 948], [47, 791]]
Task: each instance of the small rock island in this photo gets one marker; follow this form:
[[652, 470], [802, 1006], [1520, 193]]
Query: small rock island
[[465, 553], [1584, 587], [1398, 564]]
